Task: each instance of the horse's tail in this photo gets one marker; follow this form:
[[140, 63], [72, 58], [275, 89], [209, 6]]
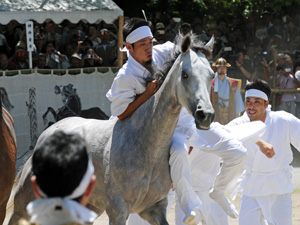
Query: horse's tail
[[10, 203]]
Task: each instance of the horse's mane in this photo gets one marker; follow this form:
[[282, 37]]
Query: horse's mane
[[182, 43]]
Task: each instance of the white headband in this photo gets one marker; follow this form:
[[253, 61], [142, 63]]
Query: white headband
[[84, 183], [138, 34], [256, 93]]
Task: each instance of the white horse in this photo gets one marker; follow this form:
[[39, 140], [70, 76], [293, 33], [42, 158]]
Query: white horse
[[131, 155]]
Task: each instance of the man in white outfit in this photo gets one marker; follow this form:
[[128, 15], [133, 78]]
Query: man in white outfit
[[130, 82], [267, 183], [209, 148]]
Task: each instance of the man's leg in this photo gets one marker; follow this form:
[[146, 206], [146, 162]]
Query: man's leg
[[277, 209], [181, 177], [233, 154], [250, 212]]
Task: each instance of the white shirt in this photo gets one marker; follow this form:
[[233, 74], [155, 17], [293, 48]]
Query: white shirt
[[130, 80], [264, 176]]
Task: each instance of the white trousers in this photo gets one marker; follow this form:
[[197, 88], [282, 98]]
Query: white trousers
[[135, 219], [212, 212], [271, 210], [181, 174]]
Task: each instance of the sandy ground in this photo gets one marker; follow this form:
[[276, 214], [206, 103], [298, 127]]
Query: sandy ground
[[103, 220]]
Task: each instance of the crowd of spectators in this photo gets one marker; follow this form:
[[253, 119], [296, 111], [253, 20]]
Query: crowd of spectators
[[59, 46], [256, 47]]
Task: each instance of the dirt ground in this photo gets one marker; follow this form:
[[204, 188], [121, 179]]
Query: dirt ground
[[103, 220]]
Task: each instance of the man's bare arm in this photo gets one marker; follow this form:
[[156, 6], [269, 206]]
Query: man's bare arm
[[150, 90], [266, 148]]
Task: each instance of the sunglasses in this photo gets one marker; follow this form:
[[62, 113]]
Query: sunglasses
[[21, 54]]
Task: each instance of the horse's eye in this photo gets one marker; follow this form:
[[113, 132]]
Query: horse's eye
[[184, 76]]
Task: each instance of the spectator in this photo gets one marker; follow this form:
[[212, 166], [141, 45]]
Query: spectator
[[52, 35], [93, 36], [91, 59], [293, 39], [277, 28], [75, 61], [286, 81], [198, 30], [11, 37], [4, 64], [185, 29], [83, 46], [4, 47], [243, 68], [226, 96], [20, 60], [63, 180], [53, 57], [107, 50], [173, 27], [41, 62], [39, 42], [160, 33]]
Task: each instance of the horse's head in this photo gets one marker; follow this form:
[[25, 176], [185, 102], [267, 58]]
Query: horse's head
[[194, 83]]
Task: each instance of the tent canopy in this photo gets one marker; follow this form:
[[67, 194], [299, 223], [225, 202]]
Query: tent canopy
[[92, 11]]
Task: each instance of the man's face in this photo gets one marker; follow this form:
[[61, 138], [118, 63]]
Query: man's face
[[3, 61], [41, 63], [142, 51], [222, 70], [256, 108]]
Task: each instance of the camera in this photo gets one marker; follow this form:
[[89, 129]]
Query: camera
[[90, 56]]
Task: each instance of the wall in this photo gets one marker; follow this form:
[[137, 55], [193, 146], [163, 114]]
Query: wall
[[28, 96]]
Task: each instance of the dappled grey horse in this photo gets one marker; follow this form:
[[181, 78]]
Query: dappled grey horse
[[131, 155]]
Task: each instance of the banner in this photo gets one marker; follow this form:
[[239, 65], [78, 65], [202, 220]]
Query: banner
[[36, 101]]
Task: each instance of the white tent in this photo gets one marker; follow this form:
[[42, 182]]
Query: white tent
[[92, 11], [57, 10]]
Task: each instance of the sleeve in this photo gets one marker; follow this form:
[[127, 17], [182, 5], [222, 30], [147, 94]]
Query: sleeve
[[294, 126], [121, 94], [186, 124]]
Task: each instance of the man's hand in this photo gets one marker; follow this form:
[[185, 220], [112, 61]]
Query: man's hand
[[151, 87], [266, 148]]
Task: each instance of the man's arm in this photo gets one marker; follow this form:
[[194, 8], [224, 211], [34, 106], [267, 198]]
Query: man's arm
[[150, 90], [266, 148]]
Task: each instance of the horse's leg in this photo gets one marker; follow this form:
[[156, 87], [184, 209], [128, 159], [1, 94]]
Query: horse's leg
[[46, 113], [117, 210], [156, 214], [22, 194]]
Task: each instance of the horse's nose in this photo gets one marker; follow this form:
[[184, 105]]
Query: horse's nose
[[203, 119]]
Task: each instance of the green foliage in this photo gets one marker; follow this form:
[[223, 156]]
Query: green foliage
[[209, 10]]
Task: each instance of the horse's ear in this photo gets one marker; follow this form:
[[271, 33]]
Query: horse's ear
[[210, 45], [185, 45]]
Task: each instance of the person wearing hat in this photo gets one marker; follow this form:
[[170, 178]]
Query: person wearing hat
[[63, 180], [266, 185], [226, 96]]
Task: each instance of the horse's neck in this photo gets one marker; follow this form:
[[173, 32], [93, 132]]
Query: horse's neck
[[157, 118]]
